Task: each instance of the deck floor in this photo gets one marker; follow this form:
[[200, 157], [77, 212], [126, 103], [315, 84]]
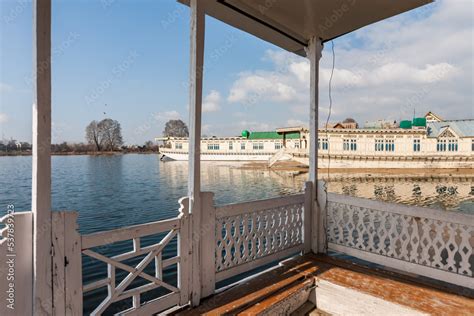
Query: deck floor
[[256, 295]]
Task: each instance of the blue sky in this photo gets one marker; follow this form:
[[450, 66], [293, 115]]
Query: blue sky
[[129, 60]]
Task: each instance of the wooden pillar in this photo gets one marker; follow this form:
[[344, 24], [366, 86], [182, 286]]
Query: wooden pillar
[[313, 52], [41, 164], [195, 111]]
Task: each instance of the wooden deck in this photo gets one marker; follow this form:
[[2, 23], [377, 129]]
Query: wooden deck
[[341, 287]]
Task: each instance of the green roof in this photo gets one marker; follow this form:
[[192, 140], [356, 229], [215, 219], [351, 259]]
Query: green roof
[[273, 135]]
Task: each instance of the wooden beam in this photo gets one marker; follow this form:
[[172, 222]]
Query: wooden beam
[[313, 52], [41, 164], [194, 161]]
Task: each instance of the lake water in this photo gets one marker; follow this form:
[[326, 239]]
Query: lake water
[[122, 190]]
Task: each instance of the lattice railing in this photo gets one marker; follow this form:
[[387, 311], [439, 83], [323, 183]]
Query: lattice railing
[[145, 256], [255, 233], [429, 242]]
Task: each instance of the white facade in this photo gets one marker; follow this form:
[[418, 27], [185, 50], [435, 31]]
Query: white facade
[[413, 148]]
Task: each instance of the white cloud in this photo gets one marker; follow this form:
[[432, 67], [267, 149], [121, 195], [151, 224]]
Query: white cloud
[[166, 116], [3, 118], [212, 102], [255, 126], [421, 60], [295, 122], [252, 86]]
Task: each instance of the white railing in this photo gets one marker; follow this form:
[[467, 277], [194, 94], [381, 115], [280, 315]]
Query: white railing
[[428, 242], [252, 234], [151, 254], [69, 248]]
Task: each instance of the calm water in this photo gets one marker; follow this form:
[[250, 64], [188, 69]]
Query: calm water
[[116, 191]]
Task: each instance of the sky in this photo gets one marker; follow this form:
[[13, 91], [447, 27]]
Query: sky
[[129, 60]]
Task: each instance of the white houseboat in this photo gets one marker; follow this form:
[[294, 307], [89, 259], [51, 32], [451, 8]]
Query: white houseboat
[[427, 142]]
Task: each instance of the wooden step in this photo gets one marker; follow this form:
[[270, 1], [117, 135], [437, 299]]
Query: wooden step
[[285, 301], [244, 296]]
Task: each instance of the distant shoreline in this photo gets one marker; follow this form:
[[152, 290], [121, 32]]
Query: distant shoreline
[[87, 153]]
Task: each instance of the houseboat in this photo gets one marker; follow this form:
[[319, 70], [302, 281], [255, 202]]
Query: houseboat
[[427, 142]]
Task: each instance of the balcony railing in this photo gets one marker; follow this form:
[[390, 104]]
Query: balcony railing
[[428, 242], [231, 240]]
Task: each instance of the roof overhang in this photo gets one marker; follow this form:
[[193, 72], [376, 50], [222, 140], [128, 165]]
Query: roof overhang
[[291, 129], [290, 24]]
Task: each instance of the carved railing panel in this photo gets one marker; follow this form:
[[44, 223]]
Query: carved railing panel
[[247, 232], [422, 237], [121, 289]]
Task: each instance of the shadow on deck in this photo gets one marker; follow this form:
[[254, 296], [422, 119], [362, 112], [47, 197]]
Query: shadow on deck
[[335, 286]]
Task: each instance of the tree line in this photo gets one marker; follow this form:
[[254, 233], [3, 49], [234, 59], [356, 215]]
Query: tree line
[[100, 136]]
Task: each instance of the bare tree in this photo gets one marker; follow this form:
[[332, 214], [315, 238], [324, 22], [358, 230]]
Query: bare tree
[[106, 134], [93, 135], [111, 134], [176, 128]]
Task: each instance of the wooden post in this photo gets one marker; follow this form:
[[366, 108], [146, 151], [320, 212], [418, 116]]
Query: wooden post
[[184, 252], [67, 264], [307, 222], [208, 245], [313, 52], [41, 162], [195, 111], [322, 207]]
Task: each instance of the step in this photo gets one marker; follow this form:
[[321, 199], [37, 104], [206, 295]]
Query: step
[[285, 301]]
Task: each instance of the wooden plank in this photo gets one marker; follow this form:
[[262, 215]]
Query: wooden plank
[[254, 206], [339, 300], [155, 306], [95, 285], [414, 211], [194, 162], [73, 266], [184, 252], [59, 282], [313, 52], [126, 233], [236, 270], [406, 266], [208, 245], [283, 302], [41, 160], [308, 205]]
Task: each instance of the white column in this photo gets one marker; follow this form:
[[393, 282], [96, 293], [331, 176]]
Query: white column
[[195, 111], [41, 178], [313, 52]]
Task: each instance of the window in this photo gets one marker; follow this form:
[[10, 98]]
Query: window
[[349, 144], [297, 145], [453, 145], [242, 146], [213, 146], [278, 146], [323, 143], [379, 145], [178, 146], [231, 146], [472, 145], [353, 144], [441, 145], [257, 146], [389, 145], [416, 144]]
